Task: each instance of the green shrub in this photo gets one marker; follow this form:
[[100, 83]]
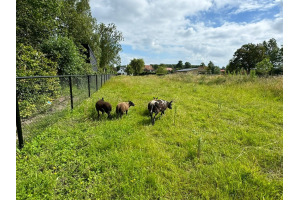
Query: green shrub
[[33, 94], [161, 70], [264, 67]]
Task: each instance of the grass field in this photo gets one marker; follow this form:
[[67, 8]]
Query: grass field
[[222, 140]]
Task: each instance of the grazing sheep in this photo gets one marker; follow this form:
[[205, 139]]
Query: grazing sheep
[[123, 107], [156, 106], [103, 106]]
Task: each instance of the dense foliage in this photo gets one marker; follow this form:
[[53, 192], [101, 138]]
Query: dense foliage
[[39, 21], [137, 66], [161, 69], [33, 94], [50, 35], [249, 55], [63, 51]]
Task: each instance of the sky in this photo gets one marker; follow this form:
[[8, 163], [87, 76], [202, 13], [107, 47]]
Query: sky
[[195, 31]]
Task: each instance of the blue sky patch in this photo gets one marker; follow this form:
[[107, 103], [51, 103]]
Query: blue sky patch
[[216, 18]]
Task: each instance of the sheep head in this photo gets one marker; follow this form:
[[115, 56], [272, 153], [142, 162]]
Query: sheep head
[[130, 103]]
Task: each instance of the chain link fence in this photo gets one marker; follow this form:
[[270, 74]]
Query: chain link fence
[[41, 98]]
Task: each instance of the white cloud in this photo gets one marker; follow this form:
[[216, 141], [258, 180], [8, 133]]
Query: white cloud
[[161, 29]]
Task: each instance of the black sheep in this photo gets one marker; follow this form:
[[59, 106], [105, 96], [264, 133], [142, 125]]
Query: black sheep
[[103, 106], [156, 106]]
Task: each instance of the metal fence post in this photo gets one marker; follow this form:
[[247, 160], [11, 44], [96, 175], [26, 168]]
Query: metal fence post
[[71, 95], [19, 127], [101, 80], [96, 82], [89, 88]]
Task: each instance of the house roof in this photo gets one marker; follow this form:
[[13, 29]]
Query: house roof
[[148, 67], [169, 69], [186, 70]]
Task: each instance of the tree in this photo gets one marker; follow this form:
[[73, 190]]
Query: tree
[[129, 70], [247, 57], [161, 69], [35, 21], [63, 51], [75, 21], [211, 67], [137, 65], [109, 44], [272, 51], [217, 70], [187, 65], [179, 65], [264, 67]]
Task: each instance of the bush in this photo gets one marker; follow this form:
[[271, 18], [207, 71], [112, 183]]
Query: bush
[[33, 94], [264, 67], [161, 70]]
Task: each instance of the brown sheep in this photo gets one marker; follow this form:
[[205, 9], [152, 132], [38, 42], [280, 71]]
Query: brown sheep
[[123, 107], [103, 106]]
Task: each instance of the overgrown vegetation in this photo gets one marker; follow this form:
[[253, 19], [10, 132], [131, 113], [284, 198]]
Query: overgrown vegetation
[[51, 36], [30, 93], [222, 140]]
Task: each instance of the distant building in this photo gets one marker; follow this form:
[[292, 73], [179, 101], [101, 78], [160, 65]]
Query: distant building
[[169, 69], [90, 57], [188, 70], [198, 70], [122, 71], [202, 70], [148, 68]]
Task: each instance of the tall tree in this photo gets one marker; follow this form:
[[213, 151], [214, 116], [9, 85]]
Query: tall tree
[[137, 65], [179, 65], [247, 57], [35, 21], [109, 44], [211, 67], [273, 52], [63, 51], [187, 65]]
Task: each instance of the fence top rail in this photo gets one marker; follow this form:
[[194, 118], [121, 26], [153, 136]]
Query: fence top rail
[[31, 77]]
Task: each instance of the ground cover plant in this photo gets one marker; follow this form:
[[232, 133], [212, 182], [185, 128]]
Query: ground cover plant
[[221, 140]]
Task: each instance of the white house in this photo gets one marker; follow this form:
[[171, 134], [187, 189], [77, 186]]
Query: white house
[[122, 71]]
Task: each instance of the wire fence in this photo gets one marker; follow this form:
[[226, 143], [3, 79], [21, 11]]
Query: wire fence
[[40, 98]]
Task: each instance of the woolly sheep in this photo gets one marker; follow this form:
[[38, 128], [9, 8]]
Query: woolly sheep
[[123, 107], [156, 106], [103, 106]]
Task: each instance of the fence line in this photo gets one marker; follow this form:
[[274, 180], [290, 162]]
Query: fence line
[[103, 79]]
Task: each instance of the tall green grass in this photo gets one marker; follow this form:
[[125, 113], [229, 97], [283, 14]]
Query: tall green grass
[[222, 140]]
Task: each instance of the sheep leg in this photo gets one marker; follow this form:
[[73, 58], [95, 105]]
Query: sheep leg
[[126, 112], [151, 113], [154, 119], [98, 114]]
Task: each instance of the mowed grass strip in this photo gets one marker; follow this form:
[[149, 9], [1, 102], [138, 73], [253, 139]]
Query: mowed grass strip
[[222, 140]]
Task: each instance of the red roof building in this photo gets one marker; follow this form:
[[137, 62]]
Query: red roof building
[[148, 68]]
